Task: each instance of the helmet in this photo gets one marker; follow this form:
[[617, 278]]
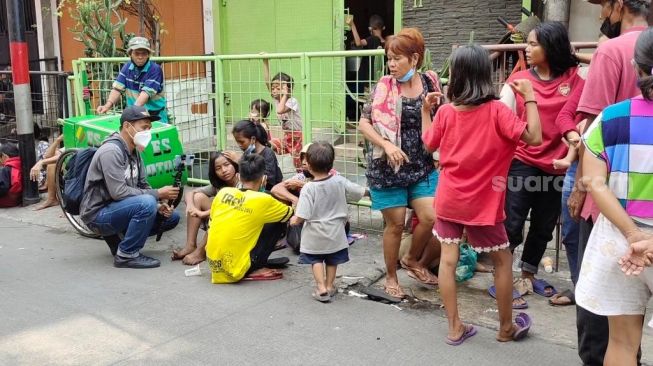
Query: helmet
[[138, 43]]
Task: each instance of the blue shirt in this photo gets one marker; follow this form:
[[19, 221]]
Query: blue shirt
[[149, 79]]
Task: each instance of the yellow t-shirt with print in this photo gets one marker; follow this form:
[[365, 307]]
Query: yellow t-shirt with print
[[237, 218]]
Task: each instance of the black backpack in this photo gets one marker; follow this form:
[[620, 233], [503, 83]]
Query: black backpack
[[75, 178]]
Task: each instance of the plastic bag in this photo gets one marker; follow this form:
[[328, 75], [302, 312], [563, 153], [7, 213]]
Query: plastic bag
[[466, 263]]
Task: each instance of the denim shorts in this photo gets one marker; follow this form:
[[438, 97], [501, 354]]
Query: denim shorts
[[332, 259], [383, 198]]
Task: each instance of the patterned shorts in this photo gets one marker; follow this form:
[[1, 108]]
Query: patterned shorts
[[489, 238]]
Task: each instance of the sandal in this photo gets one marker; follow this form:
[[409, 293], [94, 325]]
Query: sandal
[[515, 296], [540, 287], [394, 291], [571, 299], [521, 327], [419, 274], [469, 332], [321, 297]]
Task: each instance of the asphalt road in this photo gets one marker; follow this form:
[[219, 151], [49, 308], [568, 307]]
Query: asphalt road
[[62, 302]]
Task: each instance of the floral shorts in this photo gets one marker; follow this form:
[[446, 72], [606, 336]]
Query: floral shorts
[[489, 238]]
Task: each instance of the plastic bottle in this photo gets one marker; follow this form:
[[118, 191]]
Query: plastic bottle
[[547, 263]]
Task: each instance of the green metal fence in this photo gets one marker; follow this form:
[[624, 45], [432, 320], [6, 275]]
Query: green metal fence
[[207, 94]]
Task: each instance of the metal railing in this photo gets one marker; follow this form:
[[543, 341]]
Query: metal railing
[[206, 95], [505, 57], [49, 91]]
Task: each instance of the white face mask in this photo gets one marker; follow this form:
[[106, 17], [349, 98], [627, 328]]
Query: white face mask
[[142, 139]]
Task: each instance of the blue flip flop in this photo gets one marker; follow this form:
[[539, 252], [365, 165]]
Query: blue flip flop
[[540, 286], [469, 332], [524, 323], [515, 295]]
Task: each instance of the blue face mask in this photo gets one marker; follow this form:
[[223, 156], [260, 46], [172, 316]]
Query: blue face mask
[[407, 77], [250, 149]]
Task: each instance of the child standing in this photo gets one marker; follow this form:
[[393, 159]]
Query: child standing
[[287, 106], [616, 167], [477, 136], [324, 242]]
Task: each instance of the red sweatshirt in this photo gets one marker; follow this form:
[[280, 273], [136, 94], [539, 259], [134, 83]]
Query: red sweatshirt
[[551, 96], [14, 197]]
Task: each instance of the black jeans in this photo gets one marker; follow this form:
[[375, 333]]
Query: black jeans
[[269, 237], [593, 330], [530, 189]]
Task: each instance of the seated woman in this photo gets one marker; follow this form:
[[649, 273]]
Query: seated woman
[[252, 139], [198, 207], [48, 162], [234, 255]]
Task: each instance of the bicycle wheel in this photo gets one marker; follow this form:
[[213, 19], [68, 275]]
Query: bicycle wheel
[[60, 172]]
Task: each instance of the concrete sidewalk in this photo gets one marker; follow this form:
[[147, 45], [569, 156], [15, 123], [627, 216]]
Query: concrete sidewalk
[[64, 303]]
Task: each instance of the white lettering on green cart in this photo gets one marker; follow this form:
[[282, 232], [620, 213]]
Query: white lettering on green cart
[[160, 167], [160, 147]]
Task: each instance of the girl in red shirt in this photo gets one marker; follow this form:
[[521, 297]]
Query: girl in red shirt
[[477, 136], [536, 185]]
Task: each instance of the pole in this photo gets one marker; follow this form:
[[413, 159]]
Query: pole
[[22, 97], [558, 11]]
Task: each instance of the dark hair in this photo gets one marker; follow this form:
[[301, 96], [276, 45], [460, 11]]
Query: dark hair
[[554, 39], [406, 43], [376, 22], [320, 156], [644, 60], [470, 81], [10, 149], [252, 167], [641, 8], [213, 176], [262, 106], [285, 78], [250, 129]]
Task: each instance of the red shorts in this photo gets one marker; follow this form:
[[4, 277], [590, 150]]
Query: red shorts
[[482, 238]]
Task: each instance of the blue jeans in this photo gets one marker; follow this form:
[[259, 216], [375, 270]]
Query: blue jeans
[[569, 226], [135, 217]]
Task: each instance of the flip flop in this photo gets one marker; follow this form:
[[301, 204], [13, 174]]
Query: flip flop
[[566, 293], [540, 286], [469, 332], [268, 276], [375, 294], [323, 297], [279, 262], [332, 294], [515, 295], [418, 274], [524, 323]]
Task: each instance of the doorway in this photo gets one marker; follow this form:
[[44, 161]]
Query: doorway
[[362, 10]]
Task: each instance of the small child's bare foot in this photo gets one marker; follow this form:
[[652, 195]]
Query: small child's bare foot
[[561, 164], [45, 204], [197, 256], [178, 254]]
